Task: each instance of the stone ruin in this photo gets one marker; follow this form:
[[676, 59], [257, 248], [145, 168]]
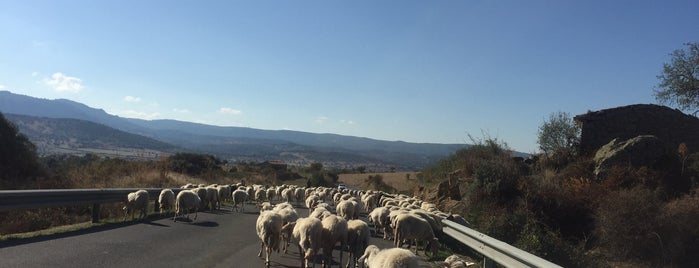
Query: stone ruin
[[670, 126]]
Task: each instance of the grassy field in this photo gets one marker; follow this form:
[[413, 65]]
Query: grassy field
[[401, 181]]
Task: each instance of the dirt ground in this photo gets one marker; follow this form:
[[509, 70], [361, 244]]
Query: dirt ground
[[401, 181]]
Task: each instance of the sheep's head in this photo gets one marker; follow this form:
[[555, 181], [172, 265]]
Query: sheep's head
[[369, 253]]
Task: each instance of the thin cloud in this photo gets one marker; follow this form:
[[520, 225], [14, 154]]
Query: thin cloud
[[347, 122], [34, 74], [132, 99], [182, 111], [63, 83], [321, 119], [2, 86], [229, 111], [140, 115]]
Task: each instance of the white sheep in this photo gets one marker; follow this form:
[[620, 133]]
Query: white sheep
[[269, 228], [346, 209], [454, 261], [212, 198], [288, 195], [166, 200], [320, 213], [412, 227], [251, 192], [260, 195], [288, 215], [186, 200], [201, 192], [388, 258], [307, 233], [265, 206], [239, 198], [358, 235], [334, 230], [137, 200], [379, 217], [271, 194], [224, 193], [311, 201]]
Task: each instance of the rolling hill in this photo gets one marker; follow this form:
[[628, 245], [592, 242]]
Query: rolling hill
[[88, 127]]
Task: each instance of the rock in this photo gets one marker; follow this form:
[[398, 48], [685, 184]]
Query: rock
[[644, 150]]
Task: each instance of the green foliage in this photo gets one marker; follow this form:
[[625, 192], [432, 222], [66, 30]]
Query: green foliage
[[497, 178], [316, 167], [19, 165], [193, 164], [318, 179], [376, 183], [559, 135], [679, 81]]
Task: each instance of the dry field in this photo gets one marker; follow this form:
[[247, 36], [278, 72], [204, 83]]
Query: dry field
[[401, 181]]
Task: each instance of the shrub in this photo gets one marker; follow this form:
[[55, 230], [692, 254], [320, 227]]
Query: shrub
[[679, 230], [627, 223]]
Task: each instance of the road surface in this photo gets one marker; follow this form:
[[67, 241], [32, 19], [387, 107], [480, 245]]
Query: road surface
[[220, 239]]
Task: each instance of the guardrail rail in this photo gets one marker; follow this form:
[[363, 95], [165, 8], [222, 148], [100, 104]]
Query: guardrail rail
[[493, 249], [27, 199]]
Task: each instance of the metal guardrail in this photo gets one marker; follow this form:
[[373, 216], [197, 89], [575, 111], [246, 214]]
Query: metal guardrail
[[493, 249], [27, 199]]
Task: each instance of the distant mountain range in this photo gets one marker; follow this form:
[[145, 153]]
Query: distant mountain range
[[60, 126]]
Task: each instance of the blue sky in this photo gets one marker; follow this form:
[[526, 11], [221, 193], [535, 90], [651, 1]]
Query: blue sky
[[416, 71]]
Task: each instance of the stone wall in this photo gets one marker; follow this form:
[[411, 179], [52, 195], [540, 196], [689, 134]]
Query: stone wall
[[671, 126]]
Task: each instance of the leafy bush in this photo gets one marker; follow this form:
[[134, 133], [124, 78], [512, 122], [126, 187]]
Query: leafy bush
[[627, 223], [679, 231], [19, 165], [193, 164]]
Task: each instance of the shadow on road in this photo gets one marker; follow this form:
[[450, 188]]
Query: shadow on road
[[206, 224], [94, 229]]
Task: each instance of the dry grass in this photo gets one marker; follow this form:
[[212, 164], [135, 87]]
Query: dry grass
[[401, 181]]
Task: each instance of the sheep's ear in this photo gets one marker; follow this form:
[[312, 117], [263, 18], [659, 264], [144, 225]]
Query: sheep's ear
[[361, 260]]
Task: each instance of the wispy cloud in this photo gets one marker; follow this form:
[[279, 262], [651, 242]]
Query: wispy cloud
[[347, 122], [229, 111], [2, 86], [321, 119], [64, 83], [140, 115], [132, 99], [34, 74], [182, 111]]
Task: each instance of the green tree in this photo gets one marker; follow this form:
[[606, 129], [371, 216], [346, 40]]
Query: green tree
[[316, 166], [19, 163], [559, 134], [679, 81]]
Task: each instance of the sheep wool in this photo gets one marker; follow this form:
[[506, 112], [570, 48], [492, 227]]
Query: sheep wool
[[268, 226], [137, 200]]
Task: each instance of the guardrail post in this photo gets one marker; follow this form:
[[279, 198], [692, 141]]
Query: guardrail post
[[96, 213], [488, 263]]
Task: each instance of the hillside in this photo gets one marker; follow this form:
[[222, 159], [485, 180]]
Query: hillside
[[231, 143], [75, 136]]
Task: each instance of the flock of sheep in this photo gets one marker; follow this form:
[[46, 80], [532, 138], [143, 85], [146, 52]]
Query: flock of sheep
[[334, 218]]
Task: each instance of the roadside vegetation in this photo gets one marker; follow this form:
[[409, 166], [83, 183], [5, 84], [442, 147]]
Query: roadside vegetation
[[552, 206]]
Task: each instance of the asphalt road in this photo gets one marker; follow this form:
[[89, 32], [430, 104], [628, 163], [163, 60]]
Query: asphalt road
[[220, 239]]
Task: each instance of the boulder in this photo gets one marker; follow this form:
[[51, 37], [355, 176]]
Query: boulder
[[644, 150]]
